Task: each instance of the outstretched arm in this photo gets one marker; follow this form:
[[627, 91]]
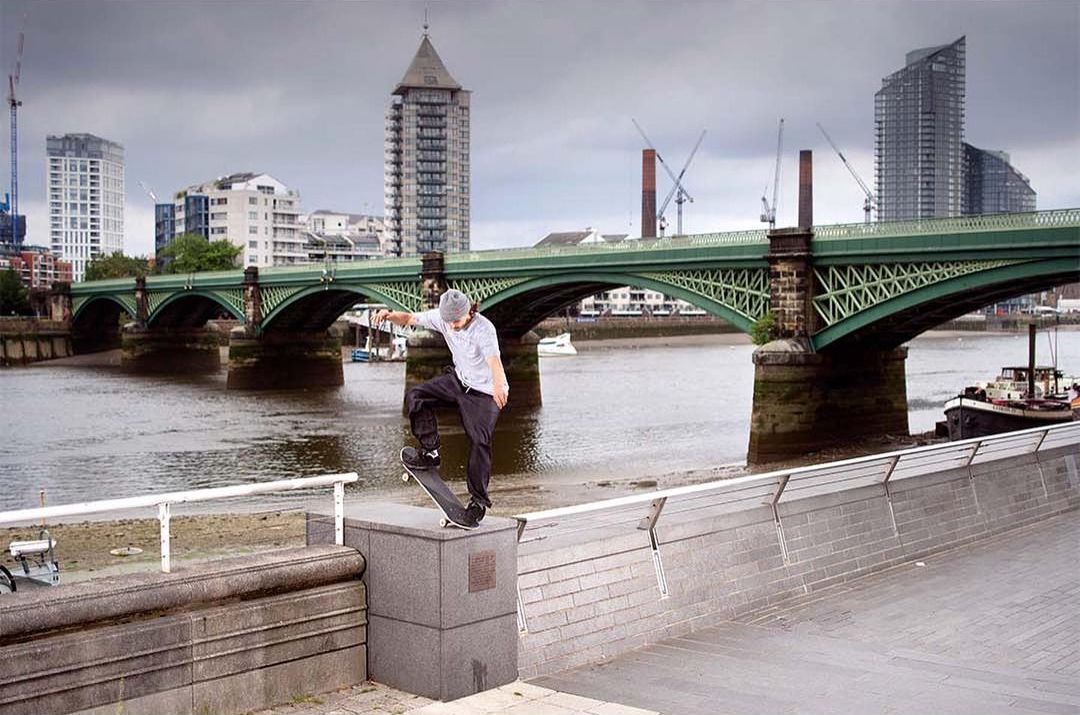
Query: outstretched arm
[[396, 317], [498, 380]]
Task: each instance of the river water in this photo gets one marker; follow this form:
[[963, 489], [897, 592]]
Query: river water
[[84, 430]]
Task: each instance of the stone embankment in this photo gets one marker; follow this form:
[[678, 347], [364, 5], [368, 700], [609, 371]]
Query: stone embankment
[[27, 340]]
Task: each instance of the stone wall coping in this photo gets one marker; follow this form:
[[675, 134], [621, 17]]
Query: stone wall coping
[[411, 521], [40, 610]]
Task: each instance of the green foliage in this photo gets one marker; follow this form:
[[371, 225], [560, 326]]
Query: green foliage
[[14, 298], [116, 266], [191, 253], [764, 329]]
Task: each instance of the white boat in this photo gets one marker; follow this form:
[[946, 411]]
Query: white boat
[[556, 346]]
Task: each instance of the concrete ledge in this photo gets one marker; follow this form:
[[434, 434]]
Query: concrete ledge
[[41, 610], [237, 635]]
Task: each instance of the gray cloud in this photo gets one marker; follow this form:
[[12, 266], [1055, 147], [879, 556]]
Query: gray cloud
[[200, 89]]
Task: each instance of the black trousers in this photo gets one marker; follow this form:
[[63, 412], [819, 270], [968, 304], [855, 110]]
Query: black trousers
[[478, 416]]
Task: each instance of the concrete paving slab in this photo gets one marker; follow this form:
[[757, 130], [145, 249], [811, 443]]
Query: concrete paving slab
[[991, 627]]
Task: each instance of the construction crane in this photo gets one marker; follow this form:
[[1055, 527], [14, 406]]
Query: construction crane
[[15, 103], [768, 210], [870, 202], [678, 190], [149, 192]]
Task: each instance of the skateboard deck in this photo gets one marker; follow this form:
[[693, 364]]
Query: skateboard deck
[[431, 482]]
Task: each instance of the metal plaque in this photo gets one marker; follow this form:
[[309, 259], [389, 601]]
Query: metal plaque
[[481, 571]]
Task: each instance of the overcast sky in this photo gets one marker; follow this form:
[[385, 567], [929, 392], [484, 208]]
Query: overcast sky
[[196, 90]]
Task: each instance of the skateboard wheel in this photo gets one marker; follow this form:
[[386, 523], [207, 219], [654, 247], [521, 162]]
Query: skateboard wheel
[[405, 477], [443, 523]]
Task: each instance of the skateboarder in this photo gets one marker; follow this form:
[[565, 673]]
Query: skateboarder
[[476, 387]]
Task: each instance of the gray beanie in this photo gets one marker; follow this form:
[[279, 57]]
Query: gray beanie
[[453, 305]]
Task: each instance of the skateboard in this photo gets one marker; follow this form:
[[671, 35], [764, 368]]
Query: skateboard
[[431, 482]]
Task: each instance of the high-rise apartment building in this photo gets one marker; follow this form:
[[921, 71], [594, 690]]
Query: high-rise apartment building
[[253, 211], [164, 226], [992, 185], [427, 159], [919, 135], [86, 198]]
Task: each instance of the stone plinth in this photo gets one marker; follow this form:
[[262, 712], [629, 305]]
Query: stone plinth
[[805, 401], [284, 360], [169, 350], [442, 602]]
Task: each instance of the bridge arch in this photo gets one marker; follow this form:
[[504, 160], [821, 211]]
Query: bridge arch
[[101, 311], [739, 296], [315, 308], [895, 319], [192, 308]]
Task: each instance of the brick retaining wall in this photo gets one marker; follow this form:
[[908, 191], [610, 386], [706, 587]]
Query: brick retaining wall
[[587, 599]]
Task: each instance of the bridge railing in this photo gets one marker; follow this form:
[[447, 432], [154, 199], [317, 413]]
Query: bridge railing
[[959, 224], [569, 525], [164, 503], [697, 240]]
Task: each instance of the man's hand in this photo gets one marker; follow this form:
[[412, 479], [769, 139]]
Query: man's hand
[[500, 395], [379, 318]]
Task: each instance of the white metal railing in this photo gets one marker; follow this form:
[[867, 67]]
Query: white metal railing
[[787, 485], [165, 501]]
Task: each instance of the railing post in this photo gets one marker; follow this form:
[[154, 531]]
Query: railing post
[[339, 513], [780, 485], [888, 492], [971, 476], [649, 523], [1038, 464], [164, 516]]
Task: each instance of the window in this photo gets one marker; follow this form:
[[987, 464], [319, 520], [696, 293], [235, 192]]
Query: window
[[253, 215], [253, 201], [254, 230], [253, 244]]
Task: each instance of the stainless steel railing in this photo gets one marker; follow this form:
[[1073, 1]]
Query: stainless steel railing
[[164, 503]]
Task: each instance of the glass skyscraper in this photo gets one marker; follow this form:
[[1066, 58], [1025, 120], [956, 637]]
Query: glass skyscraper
[[919, 135], [993, 185], [427, 160]]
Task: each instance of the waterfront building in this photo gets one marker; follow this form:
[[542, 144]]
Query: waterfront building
[[339, 236], [992, 185], [164, 226], [256, 212], [580, 238], [36, 266], [85, 177], [12, 228], [427, 159], [919, 135]]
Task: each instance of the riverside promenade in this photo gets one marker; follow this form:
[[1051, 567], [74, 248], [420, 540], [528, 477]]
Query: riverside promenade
[[990, 627]]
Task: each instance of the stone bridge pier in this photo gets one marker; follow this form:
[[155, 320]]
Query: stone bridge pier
[[279, 359], [804, 400], [428, 355], [158, 349]]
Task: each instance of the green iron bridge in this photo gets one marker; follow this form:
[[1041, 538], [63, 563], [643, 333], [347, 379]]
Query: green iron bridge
[[844, 299], [883, 282]]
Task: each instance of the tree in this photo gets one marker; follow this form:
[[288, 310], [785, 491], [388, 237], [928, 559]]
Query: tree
[[116, 266], [191, 253], [14, 298]]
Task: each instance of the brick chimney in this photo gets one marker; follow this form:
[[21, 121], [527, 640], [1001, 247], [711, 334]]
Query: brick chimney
[[648, 193]]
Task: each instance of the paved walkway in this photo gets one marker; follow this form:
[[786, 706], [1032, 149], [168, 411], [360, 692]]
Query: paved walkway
[[988, 629], [514, 699]]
